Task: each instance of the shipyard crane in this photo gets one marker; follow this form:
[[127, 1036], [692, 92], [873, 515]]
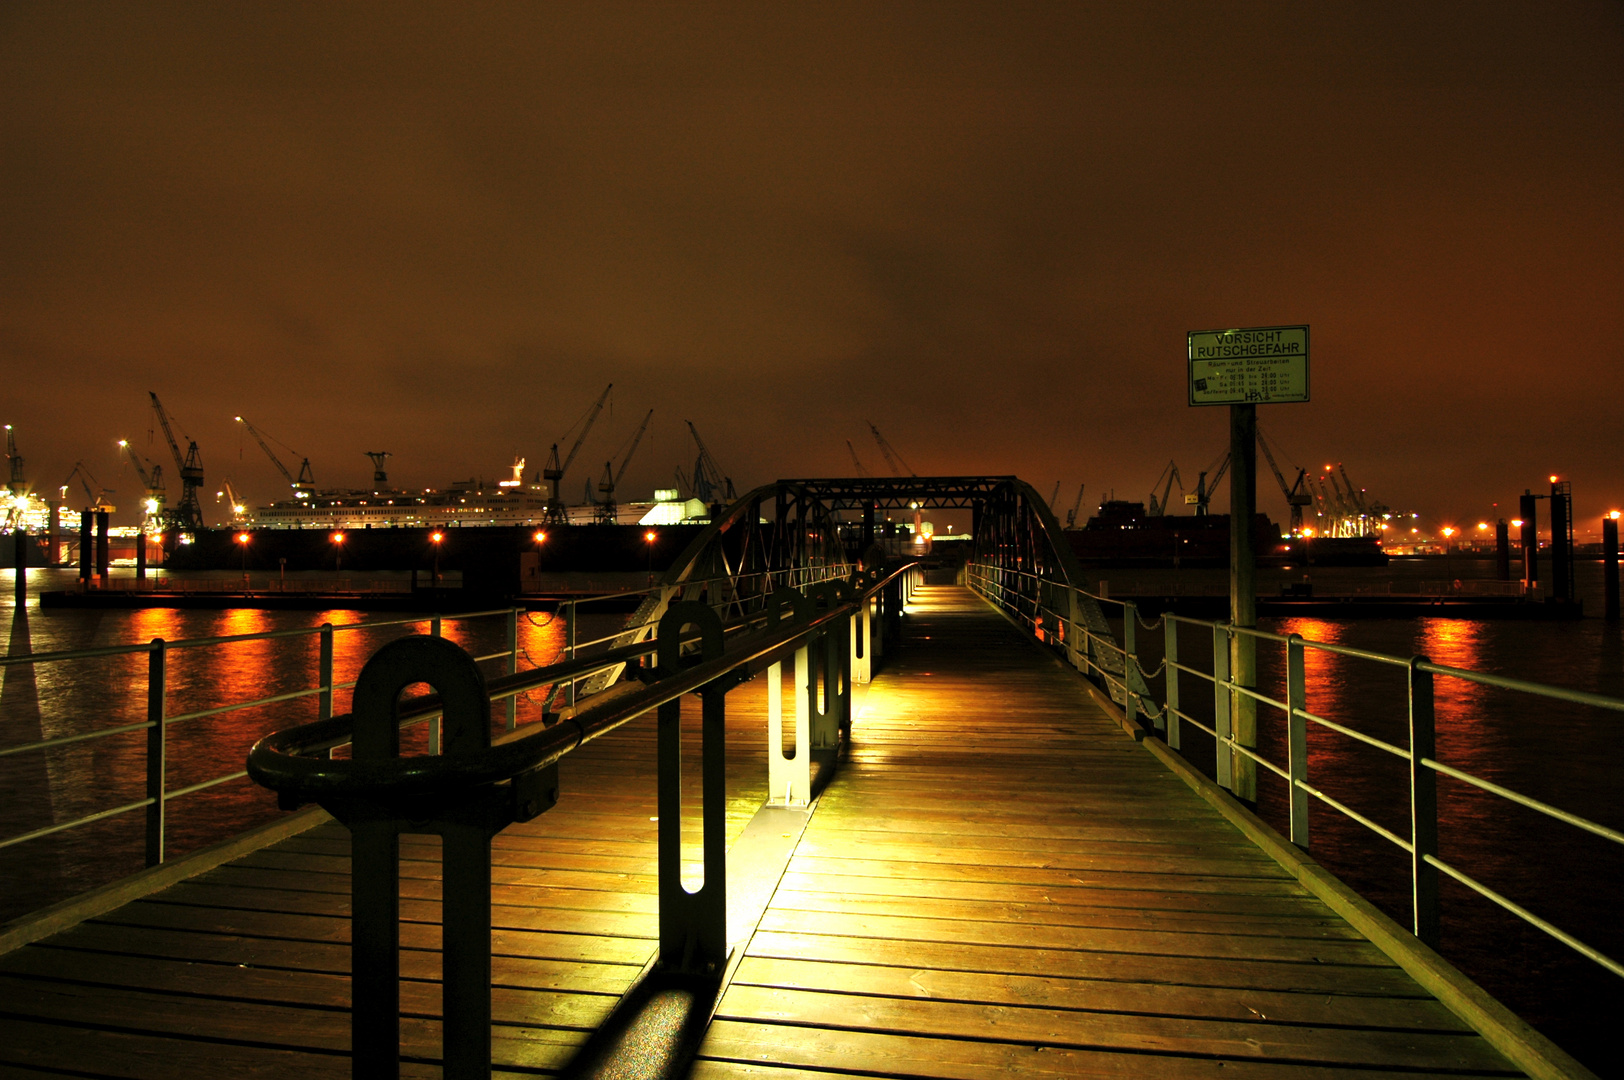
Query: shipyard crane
[[1204, 490], [97, 497], [380, 478], [553, 472], [606, 506], [1297, 496], [305, 483], [152, 478], [238, 506], [708, 478], [189, 514], [887, 451], [1054, 496], [1158, 507], [1076, 507], [856, 461]]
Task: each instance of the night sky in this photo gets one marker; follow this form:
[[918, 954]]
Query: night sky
[[984, 227]]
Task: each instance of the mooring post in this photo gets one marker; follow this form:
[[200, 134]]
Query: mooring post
[[102, 547], [512, 665], [789, 778], [20, 579], [1526, 506], [1130, 660], [86, 548], [141, 556]]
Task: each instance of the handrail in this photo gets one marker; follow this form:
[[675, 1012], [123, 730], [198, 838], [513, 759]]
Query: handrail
[[1423, 766]]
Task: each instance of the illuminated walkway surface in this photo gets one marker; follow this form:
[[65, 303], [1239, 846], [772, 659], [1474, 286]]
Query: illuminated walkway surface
[[998, 883]]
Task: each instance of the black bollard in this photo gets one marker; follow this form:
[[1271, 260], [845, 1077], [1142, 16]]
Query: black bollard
[[1502, 550], [1609, 566], [1530, 541], [141, 556], [102, 553], [86, 547], [21, 537]]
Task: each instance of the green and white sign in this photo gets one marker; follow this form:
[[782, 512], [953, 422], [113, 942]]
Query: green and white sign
[[1257, 365]]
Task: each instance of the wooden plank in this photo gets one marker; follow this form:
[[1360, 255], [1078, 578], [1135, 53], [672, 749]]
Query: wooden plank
[[1023, 960], [1083, 1029], [1101, 995]]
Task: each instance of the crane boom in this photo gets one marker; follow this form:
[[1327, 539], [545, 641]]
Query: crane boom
[[1296, 496], [18, 484], [1076, 507], [892, 458], [305, 482], [553, 472], [855, 461], [189, 514], [1158, 508], [612, 477], [707, 475], [632, 449]]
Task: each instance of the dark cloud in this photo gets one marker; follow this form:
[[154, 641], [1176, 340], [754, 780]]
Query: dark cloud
[[442, 230]]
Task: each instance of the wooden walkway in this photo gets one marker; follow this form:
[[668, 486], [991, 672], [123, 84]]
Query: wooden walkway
[[999, 882]]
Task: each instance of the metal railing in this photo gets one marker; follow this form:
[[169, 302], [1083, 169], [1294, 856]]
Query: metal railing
[[480, 786], [1084, 649], [157, 794]]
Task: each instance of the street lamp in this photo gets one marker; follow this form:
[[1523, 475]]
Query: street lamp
[[242, 542], [435, 538], [338, 548], [648, 537]]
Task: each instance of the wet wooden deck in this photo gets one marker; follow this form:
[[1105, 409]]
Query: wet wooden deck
[[999, 882]]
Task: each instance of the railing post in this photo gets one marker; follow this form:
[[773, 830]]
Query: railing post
[[1220, 705], [1423, 804], [155, 752], [1297, 739], [1130, 660], [324, 680], [434, 721], [569, 643], [513, 665], [1170, 651], [693, 925]]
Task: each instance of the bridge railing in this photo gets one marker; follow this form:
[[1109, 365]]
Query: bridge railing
[[1051, 621], [480, 786], [155, 689]]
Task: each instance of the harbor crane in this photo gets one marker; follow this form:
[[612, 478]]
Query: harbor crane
[[380, 478], [1076, 507], [234, 500], [97, 497], [887, 451], [1297, 495], [189, 514], [606, 505], [1054, 496], [305, 483], [152, 478], [707, 480], [856, 461], [553, 472], [1158, 507], [1204, 490]]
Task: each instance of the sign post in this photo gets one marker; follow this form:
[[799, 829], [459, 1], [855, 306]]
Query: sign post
[[1243, 369]]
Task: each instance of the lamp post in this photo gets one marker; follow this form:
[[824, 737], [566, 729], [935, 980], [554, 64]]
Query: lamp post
[[242, 542], [435, 538], [648, 537], [338, 550]]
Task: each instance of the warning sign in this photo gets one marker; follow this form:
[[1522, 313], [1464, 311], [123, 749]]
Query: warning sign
[[1257, 365]]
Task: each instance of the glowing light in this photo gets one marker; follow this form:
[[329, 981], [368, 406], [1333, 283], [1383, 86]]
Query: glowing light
[[122, 442], [1517, 522], [541, 537], [242, 538], [649, 536], [1449, 531], [338, 538], [437, 537], [1553, 478], [1308, 532], [1613, 515], [1483, 526], [152, 506]]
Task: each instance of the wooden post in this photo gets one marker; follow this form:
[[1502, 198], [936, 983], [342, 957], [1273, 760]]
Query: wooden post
[[1243, 589]]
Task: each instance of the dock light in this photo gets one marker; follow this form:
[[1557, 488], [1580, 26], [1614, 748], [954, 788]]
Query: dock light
[[1448, 531], [1516, 522], [242, 538], [338, 538], [1613, 514], [436, 537], [649, 536], [1553, 478], [1483, 526], [541, 536], [152, 506]]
